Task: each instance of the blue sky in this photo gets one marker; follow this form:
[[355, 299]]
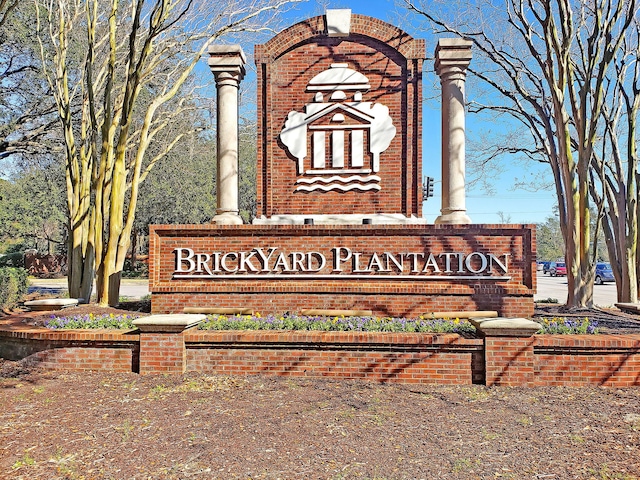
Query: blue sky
[[516, 205]]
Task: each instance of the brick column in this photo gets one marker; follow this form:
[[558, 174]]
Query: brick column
[[508, 350], [162, 348]]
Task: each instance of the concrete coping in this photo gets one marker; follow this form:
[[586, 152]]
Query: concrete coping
[[170, 323], [51, 304], [482, 314], [629, 307], [219, 310], [505, 327], [337, 313]]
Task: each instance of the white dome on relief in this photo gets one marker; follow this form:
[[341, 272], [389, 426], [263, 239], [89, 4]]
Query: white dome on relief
[[339, 77]]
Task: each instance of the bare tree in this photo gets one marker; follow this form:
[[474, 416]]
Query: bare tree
[[126, 64], [548, 61], [615, 183]]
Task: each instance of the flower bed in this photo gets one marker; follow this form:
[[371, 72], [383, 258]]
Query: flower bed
[[565, 326], [91, 321], [555, 325], [397, 352], [336, 324]]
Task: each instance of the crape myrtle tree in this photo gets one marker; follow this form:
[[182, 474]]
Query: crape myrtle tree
[[182, 188], [130, 81], [547, 63], [615, 182]]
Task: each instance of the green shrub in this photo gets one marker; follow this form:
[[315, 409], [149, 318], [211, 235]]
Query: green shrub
[[13, 286], [15, 260], [139, 270]]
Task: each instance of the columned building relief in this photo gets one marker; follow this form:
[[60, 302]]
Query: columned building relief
[[343, 134]]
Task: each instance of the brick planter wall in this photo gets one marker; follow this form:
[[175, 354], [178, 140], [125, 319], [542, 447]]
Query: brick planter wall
[[510, 361], [162, 353], [539, 360], [108, 350], [409, 296], [383, 357], [575, 360]]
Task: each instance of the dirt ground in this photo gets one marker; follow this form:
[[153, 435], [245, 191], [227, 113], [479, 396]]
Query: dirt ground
[[126, 426], [59, 425]]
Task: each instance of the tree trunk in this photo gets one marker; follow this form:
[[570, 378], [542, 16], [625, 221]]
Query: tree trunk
[[114, 288], [134, 248], [80, 269]]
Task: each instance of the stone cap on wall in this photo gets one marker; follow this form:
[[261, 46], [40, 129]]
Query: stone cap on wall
[[505, 327], [170, 323]]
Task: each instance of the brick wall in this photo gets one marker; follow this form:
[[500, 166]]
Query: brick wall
[[392, 61], [162, 353], [610, 360], [509, 361], [554, 360], [72, 350], [385, 296], [382, 357]]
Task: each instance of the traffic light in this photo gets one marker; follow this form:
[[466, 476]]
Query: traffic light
[[427, 188]]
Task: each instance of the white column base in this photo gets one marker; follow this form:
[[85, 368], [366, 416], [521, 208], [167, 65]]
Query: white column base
[[227, 218], [453, 218]]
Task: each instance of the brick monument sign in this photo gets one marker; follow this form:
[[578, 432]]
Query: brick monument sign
[[339, 194]]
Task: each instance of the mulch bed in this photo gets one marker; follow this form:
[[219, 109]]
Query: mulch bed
[[62, 425], [56, 425]]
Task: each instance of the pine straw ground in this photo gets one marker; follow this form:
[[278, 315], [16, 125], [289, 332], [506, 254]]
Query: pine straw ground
[[60, 425]]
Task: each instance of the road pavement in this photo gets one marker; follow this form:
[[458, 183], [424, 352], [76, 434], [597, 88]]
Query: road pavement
[[132, 288], [556, 287]]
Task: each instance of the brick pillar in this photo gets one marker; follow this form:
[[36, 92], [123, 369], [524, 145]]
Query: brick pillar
[[508, 350], [162, 348]]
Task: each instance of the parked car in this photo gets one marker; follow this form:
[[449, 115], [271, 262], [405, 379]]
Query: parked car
[[604, 273], [557, 268], [544, 266]]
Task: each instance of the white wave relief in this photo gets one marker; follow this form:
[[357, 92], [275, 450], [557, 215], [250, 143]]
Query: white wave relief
[[336, 178], [335, 186]]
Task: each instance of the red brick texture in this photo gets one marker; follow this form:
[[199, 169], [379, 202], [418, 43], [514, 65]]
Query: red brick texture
[[385, 296], [392, 62], [509, 361], [72, 349], [562, 360], [382, 357], [162, 353], [587, 360]]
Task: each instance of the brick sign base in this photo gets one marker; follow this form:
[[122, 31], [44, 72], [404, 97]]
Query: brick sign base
[[444, 268]]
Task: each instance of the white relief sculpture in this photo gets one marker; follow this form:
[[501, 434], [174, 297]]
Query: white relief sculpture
[[294, 136], [345, 135]]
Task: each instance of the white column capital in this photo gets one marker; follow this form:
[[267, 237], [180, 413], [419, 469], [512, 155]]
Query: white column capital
[[453, 55], [227, 61]]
